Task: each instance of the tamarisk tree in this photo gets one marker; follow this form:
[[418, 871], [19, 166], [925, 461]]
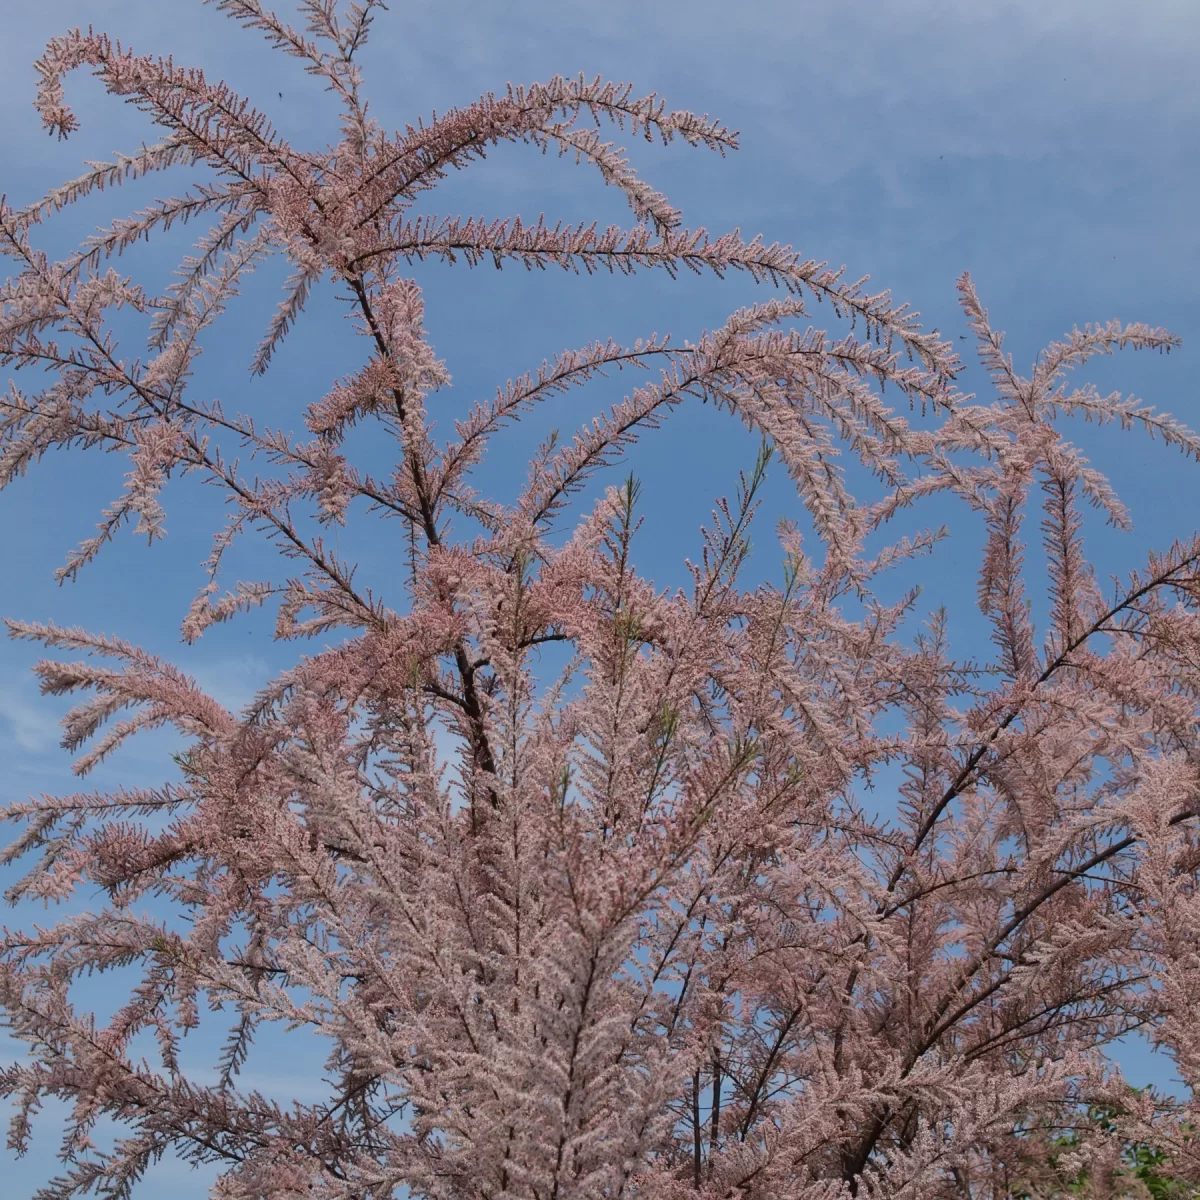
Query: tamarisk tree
[[623, 930]]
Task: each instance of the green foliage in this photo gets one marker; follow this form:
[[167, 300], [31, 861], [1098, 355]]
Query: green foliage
[[1145, 1168]]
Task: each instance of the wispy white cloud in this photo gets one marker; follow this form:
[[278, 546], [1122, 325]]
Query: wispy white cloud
[[232, 682], [27, 720]]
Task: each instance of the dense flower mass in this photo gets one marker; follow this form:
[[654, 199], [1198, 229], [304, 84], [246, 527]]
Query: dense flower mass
[[639, 939]]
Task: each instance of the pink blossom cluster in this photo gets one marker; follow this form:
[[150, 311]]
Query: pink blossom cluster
[[639, 937]]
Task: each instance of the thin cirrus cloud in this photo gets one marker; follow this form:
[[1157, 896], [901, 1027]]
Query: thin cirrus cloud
[[26, 722]]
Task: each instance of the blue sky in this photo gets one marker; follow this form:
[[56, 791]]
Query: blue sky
[[1049, 149]]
